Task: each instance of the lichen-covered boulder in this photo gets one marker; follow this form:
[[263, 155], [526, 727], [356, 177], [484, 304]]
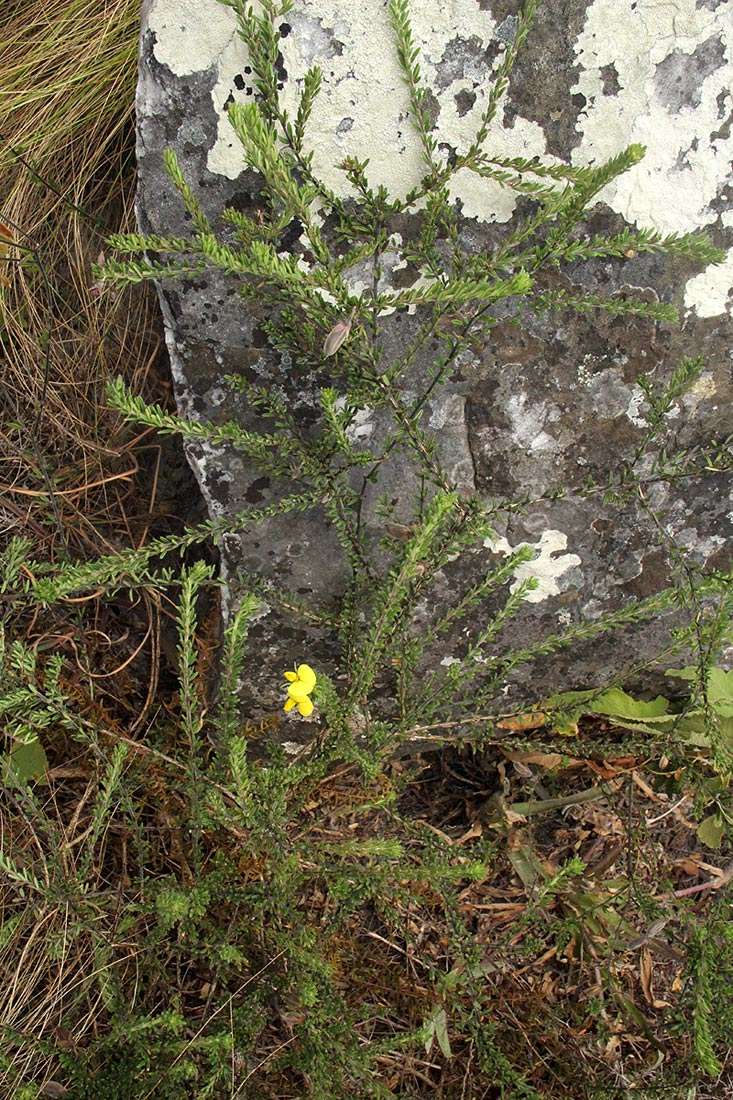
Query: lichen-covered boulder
[[538, 406]]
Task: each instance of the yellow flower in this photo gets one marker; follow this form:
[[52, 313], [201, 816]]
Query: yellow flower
[[301, 684]]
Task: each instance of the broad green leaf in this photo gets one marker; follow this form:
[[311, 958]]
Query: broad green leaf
[[569, 701], [24, 763], [564, 725], [618, 704], [719, 686], [565, 708], [720, 691], [696, 729], [429, 1030], [710, 831], [682, 673], [440, 1024], [614, 703], [528, 866], [651, 725]]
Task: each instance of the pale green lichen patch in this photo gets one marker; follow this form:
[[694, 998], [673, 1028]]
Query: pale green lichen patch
[[685, 167], [547, 568], [659, 74], [711, 292], [190, 36], [363, 109]]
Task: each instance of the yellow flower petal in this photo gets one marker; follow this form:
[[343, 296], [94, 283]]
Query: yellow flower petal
[[297, 691], [292, 676], [307, 676], [305, 706], [289, 704]]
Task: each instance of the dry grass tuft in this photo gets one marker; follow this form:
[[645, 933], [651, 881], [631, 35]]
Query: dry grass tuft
[[67, 177], [68, 482]]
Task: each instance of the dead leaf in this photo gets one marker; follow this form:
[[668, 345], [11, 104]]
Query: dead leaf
[[611, 1052], [645, 976], [645, 788], [7, 238], [400, 531], [549, 760], [622, 762], [606, 770], [475, 831], [555, 758], [513, 818], [548, 985], [719, 872], [338, 335], [533, 720], [689, 865]]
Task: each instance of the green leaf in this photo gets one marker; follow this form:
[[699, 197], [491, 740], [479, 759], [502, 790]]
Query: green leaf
[[618, 704], [698, 729], [528, 866], [710, 831], [429, 1032], [719, 686], [720, 690], [440, 1025], [682, 673], [23, 763], [569, 701]]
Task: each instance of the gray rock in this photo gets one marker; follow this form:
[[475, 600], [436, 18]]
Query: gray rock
[[542, 404]]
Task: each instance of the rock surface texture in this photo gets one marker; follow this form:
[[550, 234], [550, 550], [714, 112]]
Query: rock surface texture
[[538, 406]]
